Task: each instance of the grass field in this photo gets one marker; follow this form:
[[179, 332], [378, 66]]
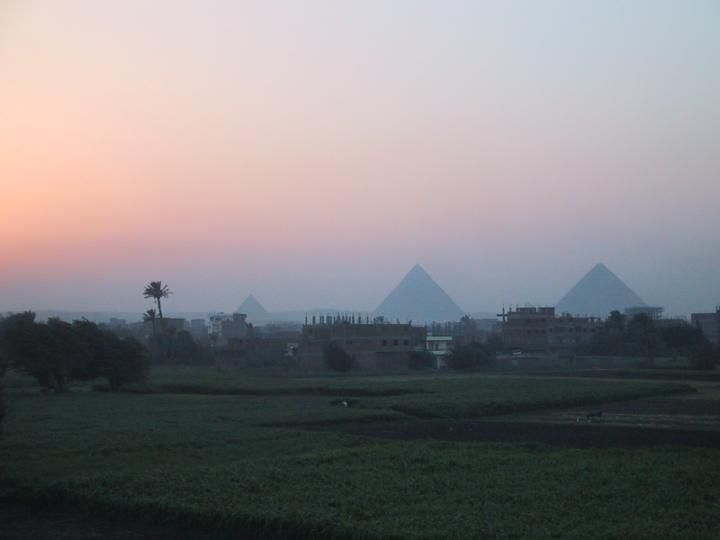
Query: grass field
[[253, 462]]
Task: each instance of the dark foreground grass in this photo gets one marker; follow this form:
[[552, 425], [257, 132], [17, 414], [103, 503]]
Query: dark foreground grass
[[206, 463]]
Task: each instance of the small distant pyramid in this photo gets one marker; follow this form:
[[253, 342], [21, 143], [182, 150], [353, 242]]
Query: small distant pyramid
[[253, 309], [419, 299], [598, 293]]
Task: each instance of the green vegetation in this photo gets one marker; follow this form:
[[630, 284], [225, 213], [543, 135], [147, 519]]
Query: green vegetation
[[641, 337], [421, 360], [249, 464], [337, 358], [472, 356], [57, 353]]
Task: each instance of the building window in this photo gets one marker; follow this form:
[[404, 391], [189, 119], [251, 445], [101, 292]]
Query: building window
[[395, 342], [348, 342], [384, 342], [405, 342]]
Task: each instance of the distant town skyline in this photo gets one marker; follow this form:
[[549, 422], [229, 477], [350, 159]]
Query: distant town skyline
[[311, 153]]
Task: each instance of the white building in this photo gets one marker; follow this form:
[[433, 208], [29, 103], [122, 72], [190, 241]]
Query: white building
[[440, 347]]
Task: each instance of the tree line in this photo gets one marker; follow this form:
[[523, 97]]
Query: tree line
[[641, 336], [57, 352]]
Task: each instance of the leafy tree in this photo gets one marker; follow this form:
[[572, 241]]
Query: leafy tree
[[643, 338], [119, 360], [421, 360], [51, 353], [185, 348], [58, 352], [95, 341], [615, 323], [705, 357], [125, 361], [4, 362], [683, 338], [4, 359], [337, 358], [471, 357], [494, 343]]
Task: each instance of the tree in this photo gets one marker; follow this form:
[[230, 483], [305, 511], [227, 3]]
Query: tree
[[125, 361], [337, 358], [705, 357], [52, 353], [642, 337], [682, 338], [150, 316], [494, 343], [185, 348], [4, 362], [470, 357], [119, 360], [421, 360], [157, 291], [610, 338]]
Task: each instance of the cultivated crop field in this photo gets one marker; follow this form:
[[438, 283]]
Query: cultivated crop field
[[219, 454]]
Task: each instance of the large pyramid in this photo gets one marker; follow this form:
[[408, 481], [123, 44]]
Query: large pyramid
[[253, 309], [598, 293], [419, 299]]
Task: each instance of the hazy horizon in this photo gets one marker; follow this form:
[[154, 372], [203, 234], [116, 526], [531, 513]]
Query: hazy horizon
[[311, 153]]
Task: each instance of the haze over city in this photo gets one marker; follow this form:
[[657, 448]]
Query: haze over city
[[311, 153]]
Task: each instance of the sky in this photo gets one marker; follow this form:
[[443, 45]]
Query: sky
[[310, 153]]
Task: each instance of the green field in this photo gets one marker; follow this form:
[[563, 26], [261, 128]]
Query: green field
[[262, 460]]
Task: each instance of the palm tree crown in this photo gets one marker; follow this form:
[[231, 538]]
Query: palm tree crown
[[157, 291]]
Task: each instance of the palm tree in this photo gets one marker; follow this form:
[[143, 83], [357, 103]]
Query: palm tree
[[149, 316], [157, 291]]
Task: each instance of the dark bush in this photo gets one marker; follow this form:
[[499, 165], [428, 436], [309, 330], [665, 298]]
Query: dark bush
[[4, 363], [705, 357], [421, 360], [51, 353], [337, 358], [494, 343], [58, 352], [184, 348], [126, 362], [470, 357]]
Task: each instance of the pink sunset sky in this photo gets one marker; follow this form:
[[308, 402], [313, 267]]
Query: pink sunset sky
[[311, 152]]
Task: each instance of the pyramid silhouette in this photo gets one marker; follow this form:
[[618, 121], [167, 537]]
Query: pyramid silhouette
[[419, 299], [252, 308], [598, 293]]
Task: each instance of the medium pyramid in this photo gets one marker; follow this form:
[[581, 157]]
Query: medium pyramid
[[598, 293], [419, 299], [253, 309]]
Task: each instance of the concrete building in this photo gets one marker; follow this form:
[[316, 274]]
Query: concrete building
[[539, 329], [466, 330], [235, 327], [440, 347], [229, 327], [709, 323], [375, 345], [654, 313]]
